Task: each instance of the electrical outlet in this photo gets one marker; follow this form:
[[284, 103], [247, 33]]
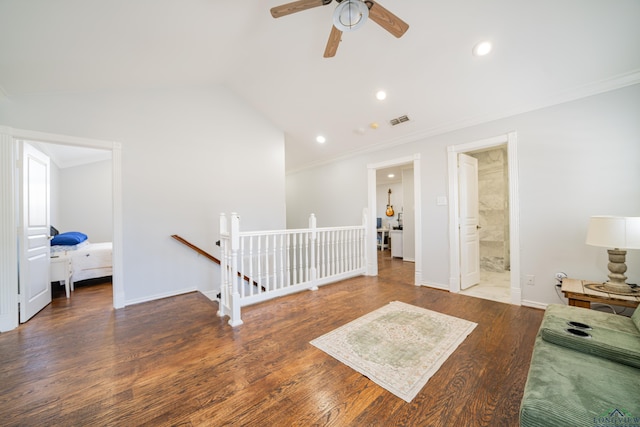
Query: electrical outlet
[[531, 280], [560, 275]]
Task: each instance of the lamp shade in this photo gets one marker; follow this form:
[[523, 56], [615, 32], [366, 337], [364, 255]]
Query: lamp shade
[[614, 232]]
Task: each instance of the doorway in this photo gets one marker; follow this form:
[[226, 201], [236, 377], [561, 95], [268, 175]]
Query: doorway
[[412, 214], [499, 241], [81, 201], [8, 225], [492, 185]]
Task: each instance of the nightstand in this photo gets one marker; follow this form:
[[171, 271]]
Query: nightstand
[[61, 271], [581, 295]]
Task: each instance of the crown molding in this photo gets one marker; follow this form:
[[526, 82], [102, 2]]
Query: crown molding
[[584, 91]]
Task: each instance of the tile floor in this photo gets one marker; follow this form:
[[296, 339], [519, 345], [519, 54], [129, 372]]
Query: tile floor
[[493, 286]]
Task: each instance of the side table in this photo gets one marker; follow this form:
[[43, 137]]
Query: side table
[[61, 270], [581, 296]]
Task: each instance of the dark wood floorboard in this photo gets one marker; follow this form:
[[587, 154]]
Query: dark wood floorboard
[[173, 362]]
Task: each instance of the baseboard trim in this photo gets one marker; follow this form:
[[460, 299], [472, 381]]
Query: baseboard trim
[[159, 296], [436, 286], [516, 296], [534, 304], [212, 295]]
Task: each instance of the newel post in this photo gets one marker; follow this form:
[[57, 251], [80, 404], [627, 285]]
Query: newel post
[[224, 278], [234, 237], [313, 271]]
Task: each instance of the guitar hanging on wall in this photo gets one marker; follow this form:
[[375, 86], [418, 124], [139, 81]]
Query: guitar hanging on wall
[[389, 207]]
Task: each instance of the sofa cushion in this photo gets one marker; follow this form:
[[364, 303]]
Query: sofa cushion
[[610, 344], [568, 388], [573, 389], [591, 317]]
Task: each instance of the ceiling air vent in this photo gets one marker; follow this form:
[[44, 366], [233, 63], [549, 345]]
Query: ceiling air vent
[[399, 120]]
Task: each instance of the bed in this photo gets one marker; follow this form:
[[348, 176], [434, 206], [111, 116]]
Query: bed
[[88, 260]]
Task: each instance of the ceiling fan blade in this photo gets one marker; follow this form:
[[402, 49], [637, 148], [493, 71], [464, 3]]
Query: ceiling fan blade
[[296, 6], [333, 42], [386, 19]]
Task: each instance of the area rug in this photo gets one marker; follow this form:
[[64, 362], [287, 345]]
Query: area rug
[[398, 346]]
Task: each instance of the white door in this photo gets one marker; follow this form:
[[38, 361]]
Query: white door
[[469, 221], [35, 288]]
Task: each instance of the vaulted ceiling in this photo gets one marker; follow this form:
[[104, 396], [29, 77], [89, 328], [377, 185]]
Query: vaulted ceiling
[[544, 52]]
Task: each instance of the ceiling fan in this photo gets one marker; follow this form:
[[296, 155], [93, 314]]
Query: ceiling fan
[[348, 16]]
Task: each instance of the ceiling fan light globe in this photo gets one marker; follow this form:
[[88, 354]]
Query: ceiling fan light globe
[[350, 15]]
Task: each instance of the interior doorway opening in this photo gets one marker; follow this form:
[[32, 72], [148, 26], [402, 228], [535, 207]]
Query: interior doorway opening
[[499, 255], [410, 212], [492, 185], [81, 201], [9, 138]]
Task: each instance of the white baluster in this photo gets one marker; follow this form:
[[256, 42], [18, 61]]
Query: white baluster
[[241, 269], [257, 261], [281, 253], [251, 262], [312, 249], [267, 284], [349, 249], [339, 250], [295, 259], [325, 273]]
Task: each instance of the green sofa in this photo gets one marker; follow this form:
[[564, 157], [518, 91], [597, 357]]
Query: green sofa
[[584, 381]]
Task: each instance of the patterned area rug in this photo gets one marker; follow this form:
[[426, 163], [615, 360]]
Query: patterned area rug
[[398, 346]]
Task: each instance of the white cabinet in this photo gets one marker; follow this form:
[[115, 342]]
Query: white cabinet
[[61, 271], [396, 243]]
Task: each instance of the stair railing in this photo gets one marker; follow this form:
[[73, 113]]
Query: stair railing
[[208, 255], [284, 261]]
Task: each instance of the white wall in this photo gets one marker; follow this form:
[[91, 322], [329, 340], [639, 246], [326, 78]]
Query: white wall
[[187, 155], [329, 194], [85, 201], [575, 160]]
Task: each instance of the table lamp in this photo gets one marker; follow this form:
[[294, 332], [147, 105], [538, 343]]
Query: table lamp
[[619, 233]]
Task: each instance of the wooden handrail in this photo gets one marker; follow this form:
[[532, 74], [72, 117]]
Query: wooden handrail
[[209, 256], [197, 249]]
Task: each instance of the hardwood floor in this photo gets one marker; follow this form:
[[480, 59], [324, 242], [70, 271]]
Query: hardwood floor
[[174, 362]]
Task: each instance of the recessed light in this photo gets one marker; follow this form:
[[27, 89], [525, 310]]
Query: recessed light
[[391, 175], [321, 139], [482, 48], [381, 95], [374, 125]]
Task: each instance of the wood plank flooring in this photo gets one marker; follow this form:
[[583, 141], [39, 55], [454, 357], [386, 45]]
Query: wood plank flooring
[[174, 362]]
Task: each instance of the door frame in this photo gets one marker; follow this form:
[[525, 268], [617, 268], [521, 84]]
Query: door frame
[[372, 255], [8, 215], [510, 140]]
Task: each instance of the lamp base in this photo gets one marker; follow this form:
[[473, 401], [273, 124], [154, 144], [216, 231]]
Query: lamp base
[[617, 288], [617, 268]]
